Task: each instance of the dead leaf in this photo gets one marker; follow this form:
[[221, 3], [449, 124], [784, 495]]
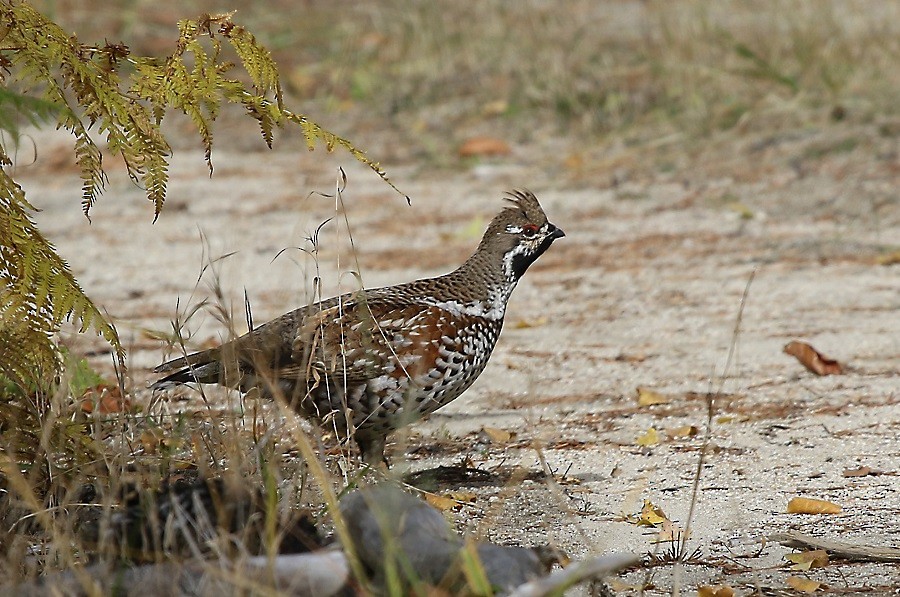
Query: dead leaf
[[620, 586], [669, 532], [891, 258], [807, 560], [495, 108], [150, 439], [804, 585], [630, 358], [684, 431], [574, 161], [105, 399], [800, 505], [863, 471], [524, 324], [483, 146], [716, 591], [742, 210], [650, 438], [651, 515], [812, 359], [647, 397], [453, 500], [463, 497], [440, 502], [498, 436]]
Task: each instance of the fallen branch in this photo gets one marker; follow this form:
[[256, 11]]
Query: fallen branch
[[849, 551], [560, 580]]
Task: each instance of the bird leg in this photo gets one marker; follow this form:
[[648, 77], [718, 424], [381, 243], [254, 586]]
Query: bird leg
[[372, 447]]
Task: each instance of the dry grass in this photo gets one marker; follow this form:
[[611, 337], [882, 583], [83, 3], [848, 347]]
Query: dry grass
[[78, 479]]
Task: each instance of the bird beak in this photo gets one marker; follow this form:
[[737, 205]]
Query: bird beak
[[556, 233]]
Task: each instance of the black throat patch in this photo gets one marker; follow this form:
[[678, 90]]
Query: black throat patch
[[521, 261]]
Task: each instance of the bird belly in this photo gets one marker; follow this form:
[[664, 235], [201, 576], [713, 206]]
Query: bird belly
[[394, 401]]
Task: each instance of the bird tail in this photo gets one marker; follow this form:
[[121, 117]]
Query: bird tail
[[200, 367]]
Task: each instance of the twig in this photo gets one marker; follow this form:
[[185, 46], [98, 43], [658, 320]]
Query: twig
[[560, 580], [841, 549]]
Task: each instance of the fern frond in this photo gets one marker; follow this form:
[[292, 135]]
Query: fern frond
[[21, 325], [45, 56], [90, 165], [39, 293], [256, 59]]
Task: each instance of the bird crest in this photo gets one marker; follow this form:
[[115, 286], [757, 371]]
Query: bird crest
[[524, 201]]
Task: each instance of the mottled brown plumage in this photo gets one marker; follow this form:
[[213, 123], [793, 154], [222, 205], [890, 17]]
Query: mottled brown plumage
[[369, 362]]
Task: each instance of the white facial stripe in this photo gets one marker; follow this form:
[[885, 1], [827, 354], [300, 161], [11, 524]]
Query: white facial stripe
[[513, 229], [508, 259]]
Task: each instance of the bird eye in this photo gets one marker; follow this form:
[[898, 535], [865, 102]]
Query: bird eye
[[529, 230]]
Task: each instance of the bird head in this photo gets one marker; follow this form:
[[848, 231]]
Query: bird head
[[520, 234]]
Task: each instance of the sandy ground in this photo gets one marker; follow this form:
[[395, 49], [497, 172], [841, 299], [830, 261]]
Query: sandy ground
[[644, 291]]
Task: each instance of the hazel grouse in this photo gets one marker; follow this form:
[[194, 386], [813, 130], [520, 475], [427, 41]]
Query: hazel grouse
[[369, 362]]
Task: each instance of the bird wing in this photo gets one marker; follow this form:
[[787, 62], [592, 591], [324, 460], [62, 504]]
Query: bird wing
[[264, 349], [350, 338], [362, 338]]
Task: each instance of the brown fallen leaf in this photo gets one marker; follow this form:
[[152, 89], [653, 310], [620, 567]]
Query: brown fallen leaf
[[670, 532], [150, 439], [462, 497], [807, 560], [684, 431], [715, 591], [650, 438], [647, 397], [104, 399], [863, 471], [453, 500], [800, 505], [812, 359], [440, 502], [620, 586], [623, 357], [483, 146], [498, 436], [804, 585]]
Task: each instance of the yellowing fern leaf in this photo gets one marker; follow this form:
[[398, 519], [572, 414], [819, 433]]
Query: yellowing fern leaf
[[39, 293]]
